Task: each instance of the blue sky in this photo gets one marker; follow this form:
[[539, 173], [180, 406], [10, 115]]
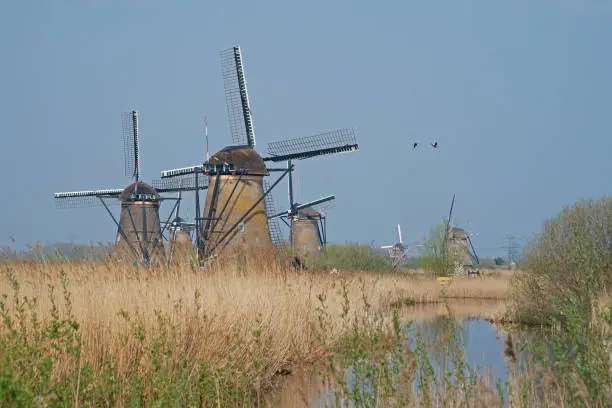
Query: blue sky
[[518, 94]]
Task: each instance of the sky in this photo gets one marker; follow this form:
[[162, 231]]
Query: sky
[[518, 95]]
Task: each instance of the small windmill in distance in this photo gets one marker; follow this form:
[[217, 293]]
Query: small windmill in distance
[[397, 252], [458, 244]]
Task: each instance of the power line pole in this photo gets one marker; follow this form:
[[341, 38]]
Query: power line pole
[[512, 250]]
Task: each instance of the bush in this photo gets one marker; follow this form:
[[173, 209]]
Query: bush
[[568, 269], [499, 261], [568, 265], [436, 257], [353, 256]]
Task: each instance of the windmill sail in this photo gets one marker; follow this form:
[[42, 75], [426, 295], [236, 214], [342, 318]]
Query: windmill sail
[[87, 198], [275, 231], [337, 141], [131, 148], [186, 182], [312, 204], [237, 97]]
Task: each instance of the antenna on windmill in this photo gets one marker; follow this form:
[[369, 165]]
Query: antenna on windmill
[[206, 135]]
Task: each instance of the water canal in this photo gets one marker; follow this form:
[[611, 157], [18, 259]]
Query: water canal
[[478, 343]]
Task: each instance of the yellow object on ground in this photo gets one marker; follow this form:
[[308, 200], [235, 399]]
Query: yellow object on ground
[[444, 280]]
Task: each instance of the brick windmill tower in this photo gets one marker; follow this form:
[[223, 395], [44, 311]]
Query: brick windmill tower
[[235, 213]]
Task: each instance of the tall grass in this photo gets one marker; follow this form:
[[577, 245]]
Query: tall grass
[[108, 334], [104, 333]]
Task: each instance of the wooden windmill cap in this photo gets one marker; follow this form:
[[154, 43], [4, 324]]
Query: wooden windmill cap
[[242, 157], [143, 190], [309, 212]]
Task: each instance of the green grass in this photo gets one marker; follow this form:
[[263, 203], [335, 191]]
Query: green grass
[[351, 256]]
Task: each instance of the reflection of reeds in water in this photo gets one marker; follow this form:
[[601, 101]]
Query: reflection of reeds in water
[[440, 376], [509, 350]]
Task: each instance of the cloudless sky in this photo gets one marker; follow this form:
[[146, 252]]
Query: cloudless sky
[[518, 94]]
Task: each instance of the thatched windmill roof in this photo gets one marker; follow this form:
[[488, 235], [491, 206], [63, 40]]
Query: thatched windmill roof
[[457, 234], [308, 212], [242, 157], [143, 188]]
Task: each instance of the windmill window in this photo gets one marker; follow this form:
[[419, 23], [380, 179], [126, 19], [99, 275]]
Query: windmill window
[[241, 226]]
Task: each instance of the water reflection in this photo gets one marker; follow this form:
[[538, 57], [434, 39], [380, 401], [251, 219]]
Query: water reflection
[[456, 339]]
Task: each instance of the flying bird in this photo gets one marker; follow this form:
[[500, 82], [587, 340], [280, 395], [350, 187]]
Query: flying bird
[[434, 145], [415, 144]]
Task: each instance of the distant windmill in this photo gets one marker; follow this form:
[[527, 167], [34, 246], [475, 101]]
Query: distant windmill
[[457, 242], [236, 213], [307, 225], [139, 234], [397, 252]]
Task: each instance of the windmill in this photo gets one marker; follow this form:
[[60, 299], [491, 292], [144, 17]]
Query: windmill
[[459, 245], [139, 233], [397, 252], [180, 241], [236, 213], [307, 225]]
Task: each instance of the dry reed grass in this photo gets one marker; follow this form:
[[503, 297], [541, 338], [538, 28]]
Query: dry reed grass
[[254, 321]]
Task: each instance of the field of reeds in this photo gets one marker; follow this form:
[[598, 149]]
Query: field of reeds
[[107, 333], [103, 333]]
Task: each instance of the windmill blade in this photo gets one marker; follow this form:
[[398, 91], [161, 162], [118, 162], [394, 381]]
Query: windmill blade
[[315, 202], [185, 182], [89, 198], [473, 252], [273, 225], [236, 97], [312, 204], [181, 171], [450, 214], [334, 142], [131, 144]]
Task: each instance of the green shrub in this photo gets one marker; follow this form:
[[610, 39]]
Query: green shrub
[[351, 256], [435, 256], [569, 264], [568, 267]]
